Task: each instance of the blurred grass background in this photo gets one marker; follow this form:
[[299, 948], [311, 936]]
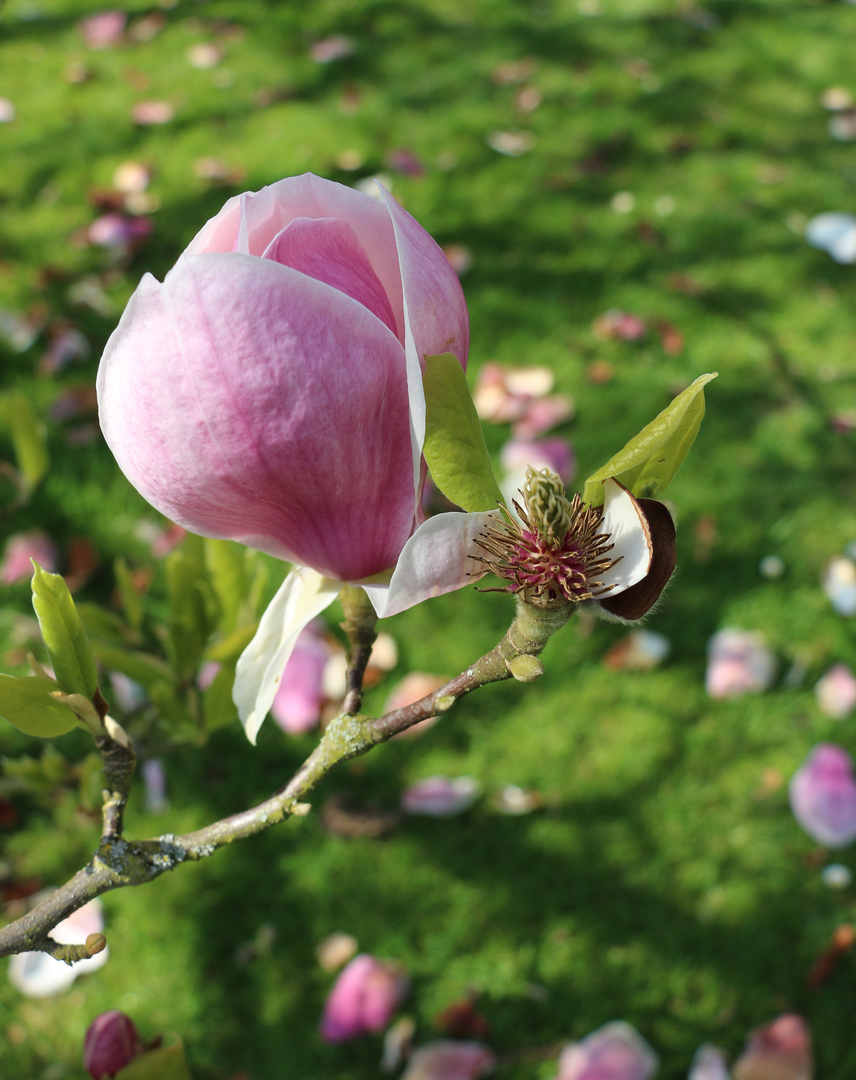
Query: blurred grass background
[[664, 880]]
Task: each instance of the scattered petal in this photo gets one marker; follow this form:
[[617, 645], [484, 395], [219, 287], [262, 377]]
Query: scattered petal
[[363, 998], [345, 817], [823, 796], [103, 30], [640, 650], [7, 111], [555, 453], [709, 1063], [836, 98], [834, 233], [511, 143], [20, 549], [300, 696], [843, 126], [771, 566], [836, 876], [148, 113], [397, 1043], [836, 692], [131, 177], [619, 325], [839, 584], [441, 796], [825, 965], [336, 950], [154, 779], [541, 416], [413, 687], [205, 55], [739, 662], [614, 1052], [460, 258], [405, 162], [66, 345], [118, 232], [780, 1050], [335, 47], [516, 801], [450, 1060]]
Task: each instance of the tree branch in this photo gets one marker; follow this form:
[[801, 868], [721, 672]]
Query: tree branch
[[118, 862]]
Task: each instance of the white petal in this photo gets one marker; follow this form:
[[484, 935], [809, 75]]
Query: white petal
[[834, 233], [303, 595], [628, 532], [434, 561]]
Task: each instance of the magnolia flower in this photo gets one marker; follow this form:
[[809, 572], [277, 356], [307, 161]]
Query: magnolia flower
[[562, 551], [363, 998], [823, 796], [270, 391]]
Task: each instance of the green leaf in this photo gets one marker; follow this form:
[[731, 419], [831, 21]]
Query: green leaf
[[139, 666], [648, 463], [230, 648], [67, 643], [217, 705], [232, 570], [28, 704], [132, 605], [454, 443], [27, 435], [165, 1063], [189, 625]]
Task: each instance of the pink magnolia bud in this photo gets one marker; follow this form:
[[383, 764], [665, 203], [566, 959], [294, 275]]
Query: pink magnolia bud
[[267, 391], [823, 796], [112, 1041], [363, 998]]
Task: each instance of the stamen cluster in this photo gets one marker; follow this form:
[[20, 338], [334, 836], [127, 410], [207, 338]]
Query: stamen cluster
[[556, 553]]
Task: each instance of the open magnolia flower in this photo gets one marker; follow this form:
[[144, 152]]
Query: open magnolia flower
[[562, 551]]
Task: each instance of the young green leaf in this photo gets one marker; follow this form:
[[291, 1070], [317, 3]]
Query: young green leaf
[[454, 444], [27, 435], [648, 463], [28, 704], [164, 1063], [66, 640]]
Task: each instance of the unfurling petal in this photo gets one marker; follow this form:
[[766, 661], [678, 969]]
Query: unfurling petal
[[303, 595], [437, 559]]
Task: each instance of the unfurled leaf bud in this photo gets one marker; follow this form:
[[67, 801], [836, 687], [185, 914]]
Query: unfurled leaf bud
[[112, 1041]]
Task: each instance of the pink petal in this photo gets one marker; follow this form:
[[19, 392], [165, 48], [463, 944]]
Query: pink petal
[[363, 998], [836, 692], [434, 302], [435, 560], [328, 250], [739, 662], [554, 453], [542, 415], [297, 705], [780, 1050], [286, 423], [614, 1052], [448, 1059], [249, 222], [709, 1063], [301, 597], [112, 1041], [440, 796], [20, 549], [823, 796]]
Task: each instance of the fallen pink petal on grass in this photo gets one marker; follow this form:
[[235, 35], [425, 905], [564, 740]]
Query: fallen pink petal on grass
[[449, 1059], [739, 662], [20, 550], [615, 1051], [363, 999], [836, 692], [823, 796], [780, 1050], [441, 796]]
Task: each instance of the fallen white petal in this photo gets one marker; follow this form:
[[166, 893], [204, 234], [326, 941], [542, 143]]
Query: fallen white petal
[[303, 595]]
